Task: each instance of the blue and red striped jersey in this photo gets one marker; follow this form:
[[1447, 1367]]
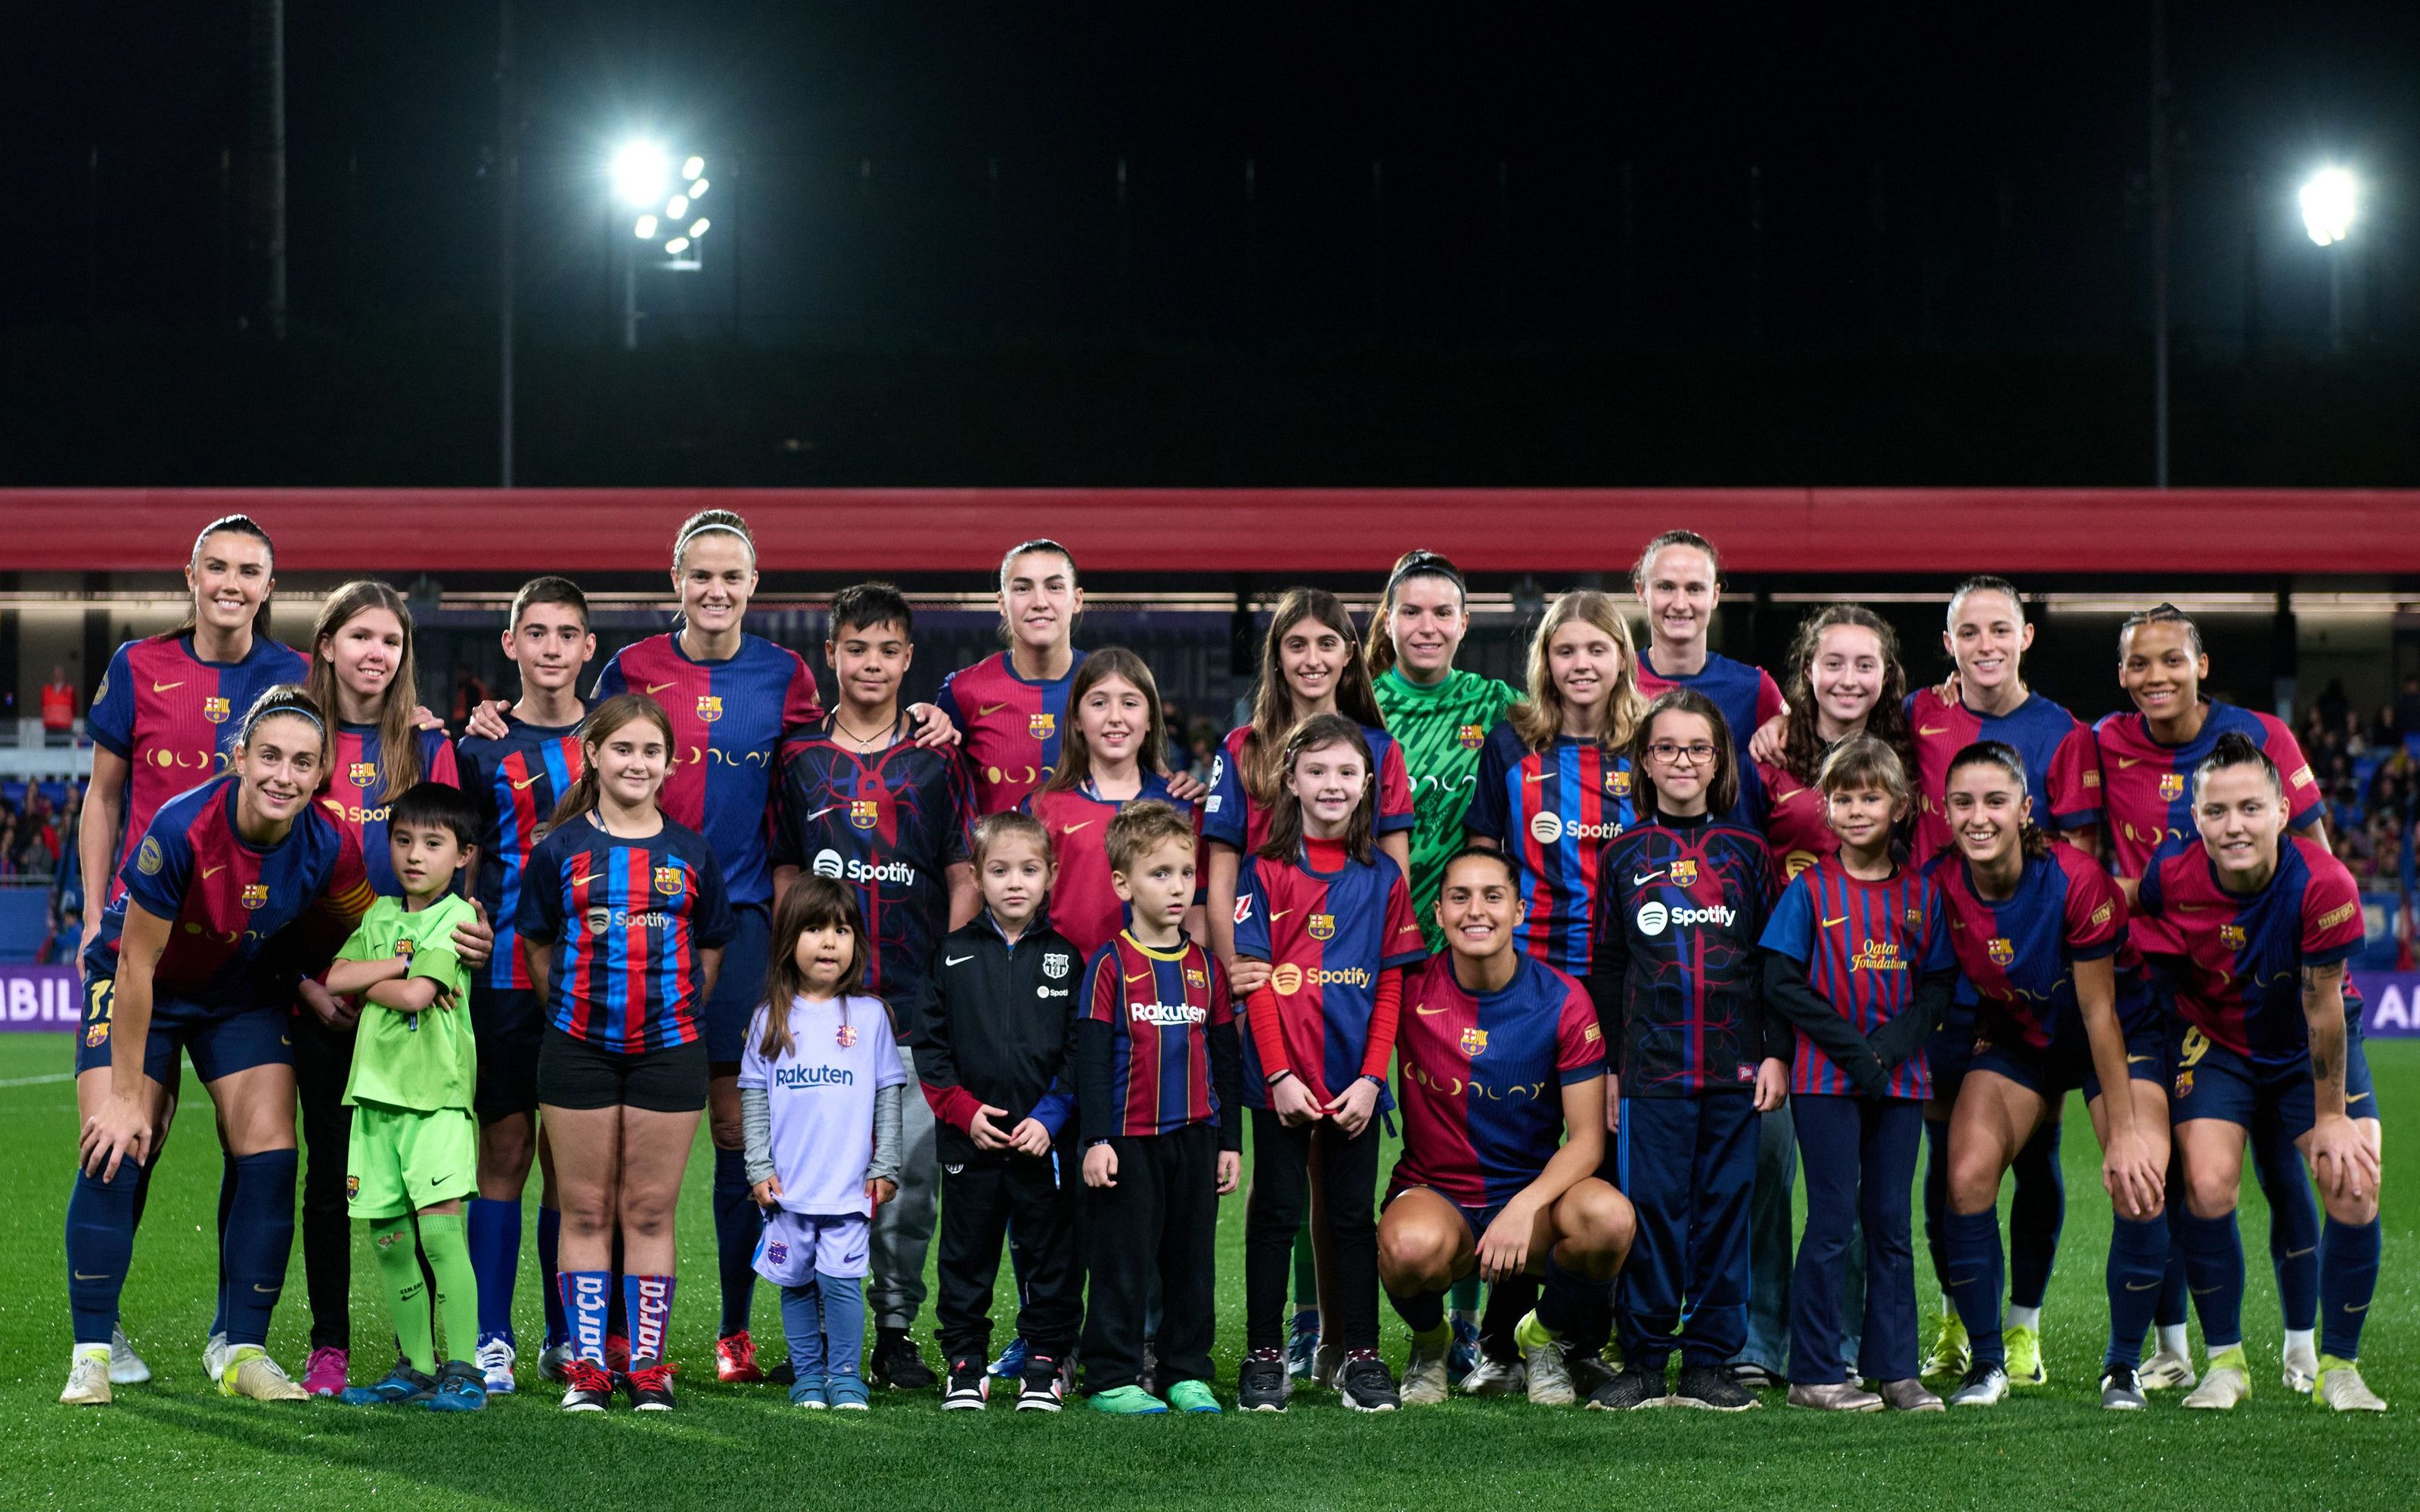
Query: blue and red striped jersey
[[2062, 764], [359, 796], [225, 898], [1480, 1077], [1009, 727], [2147, 790], [1866, 945], [1083, 906], [1230, 816], [728, 721], [515, 781], [889, 824], [625, 921], [1160, 1006], [2241, 982], [1328, 936], [1747, 697], [2016, 956], [1684, 906], [1555, 812], [173, 717], [1795, 819]]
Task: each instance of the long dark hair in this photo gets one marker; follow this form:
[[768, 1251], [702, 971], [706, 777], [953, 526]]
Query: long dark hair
[[1722, 789], [224, 525], [1074, 753], [2031, 837], [602, 720], [811, 903], [1802, 748], [1285, 811], [1273, 702], [398, 743]]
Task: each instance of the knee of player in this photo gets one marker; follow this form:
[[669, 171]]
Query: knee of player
[[727, 1131], [2211, 1193], [1599, 1228], [1973, 1181], [2345, 1208], [1413, 1258]]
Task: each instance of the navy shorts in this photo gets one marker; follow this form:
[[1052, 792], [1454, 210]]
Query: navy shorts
[[739, 989], [1475, 1219], [2214, 1082], [220, 1041], [1949, 1050], [2051, 1071], [509, 1024]]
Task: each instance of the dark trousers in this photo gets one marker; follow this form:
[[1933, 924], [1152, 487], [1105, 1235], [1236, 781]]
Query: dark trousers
[[1859, 1160], [981, 1201], [1159, 1222], [1348, 1171], [1687, 1165], [323, 1059]]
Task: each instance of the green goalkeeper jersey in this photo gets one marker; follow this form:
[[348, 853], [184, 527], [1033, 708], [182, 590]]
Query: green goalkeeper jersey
[[424, 1062], [1441, 730]]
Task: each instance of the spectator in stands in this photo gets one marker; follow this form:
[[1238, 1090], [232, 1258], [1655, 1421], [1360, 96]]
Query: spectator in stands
[[2386, 731], [2407, 704], [58, 709], [2331, 708], [60, 948]]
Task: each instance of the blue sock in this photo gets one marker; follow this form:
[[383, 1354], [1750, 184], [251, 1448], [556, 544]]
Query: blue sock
[[1975, 1279], [1567, 1301], [259, 1241], [2214, 1268], [549, 1241], [842, 1301], [2293, 1226], [802, 1323], [738, 1223], [495, 1234], [227, 1204], [1936, 1200], [2172, 1311], [2037, 1212], [648, 1302], [585, 1295], [2137, 1270], [101, 1246], [2348, 1277]]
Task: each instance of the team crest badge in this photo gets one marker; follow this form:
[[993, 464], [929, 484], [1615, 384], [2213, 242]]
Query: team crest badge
[[1471, 737], [363, 773], [255, 894], [776, 1252], [2000, 950], [404, 948], [864, 812], [1322, 926], [1684, 872], [215, 710], [98, 1035], [352, 1187], [147, 859], [1915, 918], [1055, 967], [709, 706], [1041, 726], [2184, 1084], [1617, 784], [2172, 786], [1474, 1041], [2231, 935], [1196, 979], [670, 880]]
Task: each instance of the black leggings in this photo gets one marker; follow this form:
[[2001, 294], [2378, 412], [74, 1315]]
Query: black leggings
[[324, 1061], [1280, 1194]]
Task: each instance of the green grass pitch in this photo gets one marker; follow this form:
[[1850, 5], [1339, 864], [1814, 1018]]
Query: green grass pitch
[[172, 1445]]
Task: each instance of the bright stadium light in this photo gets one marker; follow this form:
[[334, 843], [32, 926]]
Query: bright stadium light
[[639, 171], [693, 167], [2328, 206], [697, 227], [676, 207], [643, 181], [676, 245], [644, 229], [697, 189]]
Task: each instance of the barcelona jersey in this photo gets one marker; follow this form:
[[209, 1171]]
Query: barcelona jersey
[[2062, 764], [1328, 936], [225, 899], [1160, 1006], [1796, 820], [728, 719], [2241, 982], [1084, 907], [360, 795], [1009, 727], [1555, 812], [625, 920], [2016, 955], [1685, 905], [2148, 791], [515, 781], [1746, 696], [173, 717], [1230, 816], [889, 824], [1866, 947]]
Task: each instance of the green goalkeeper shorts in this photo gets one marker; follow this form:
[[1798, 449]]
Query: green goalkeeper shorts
[[401, 1161]]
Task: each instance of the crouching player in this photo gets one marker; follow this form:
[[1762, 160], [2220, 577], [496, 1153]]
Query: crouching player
[[1498, 1053], [414, 1153], [2267, 1045]]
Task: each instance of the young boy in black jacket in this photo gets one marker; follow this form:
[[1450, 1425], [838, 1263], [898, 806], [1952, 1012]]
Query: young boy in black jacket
[[994, 1060]]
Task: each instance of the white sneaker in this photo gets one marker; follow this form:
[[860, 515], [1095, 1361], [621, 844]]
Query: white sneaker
[[2165, 1369], [126, 1367], [1494, 1378], [88, 1376], [250, 1372], [2302, 1370], [2341, 1388], [495, 1362], [2222, 1389], [1424, 1382], [214, 1355], [551, 1359], [1550, 1379]]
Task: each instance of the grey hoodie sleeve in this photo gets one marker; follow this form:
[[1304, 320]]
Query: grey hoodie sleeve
[[755, 1134], [888, 1102]]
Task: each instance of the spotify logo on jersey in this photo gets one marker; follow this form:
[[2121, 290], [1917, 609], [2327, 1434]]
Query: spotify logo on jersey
[[1548, 827], [1653, 918], [828, 864]]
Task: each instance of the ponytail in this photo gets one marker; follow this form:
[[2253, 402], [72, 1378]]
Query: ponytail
[[2031, 837]]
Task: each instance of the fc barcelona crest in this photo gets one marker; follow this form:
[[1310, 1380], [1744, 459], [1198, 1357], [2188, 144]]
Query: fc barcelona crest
[[216, 710], [1196, 979], [1470, 737], [2231, 935], [670, 880], [1041, 726], [255, 894], [1322, 926], [2000, 950], [1684, 872], [864, 812], [2172, 786], [709, 706], [362, 774], [1617, 784], [1474, 1041]]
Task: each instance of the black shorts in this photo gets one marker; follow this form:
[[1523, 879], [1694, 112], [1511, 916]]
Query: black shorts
[[509, 1024], [575, 1075]]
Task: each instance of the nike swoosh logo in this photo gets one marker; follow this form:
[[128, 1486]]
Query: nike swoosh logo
[[820, 812], [2355, 1098], [1933, 729], [1277, 914], [1140, 976], [1834, 923], [989, 709], [1962, 1280], [1072, 828], [2124, 762], [2351, 1309], [657, 687], [272, 1290], [1426, 1011], [956, 959], [1641, 882], [1537, 776], [162, 687], [210, 871], [2298, 1254], [103, 1276], [2136, 1060], [526, 782], [2147, 1286]]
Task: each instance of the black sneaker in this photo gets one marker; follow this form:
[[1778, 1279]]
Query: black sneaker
[[1045, 1387], [1149, 1377], [1262, 1383], [1634, 1386], [2120, 1391], [970, 1387], [650, 1384], [1365, 1384], [1589, 1370], [785, 1374], [896, 1366], [1712, 1387], [587, 1387]]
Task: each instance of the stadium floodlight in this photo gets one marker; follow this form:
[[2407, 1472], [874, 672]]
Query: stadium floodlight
[[697, 189], [644, 181], [676, 245], [697, 227], [675, 206], [640, 172], [645, 229], [2328, 206], [693, 167]]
